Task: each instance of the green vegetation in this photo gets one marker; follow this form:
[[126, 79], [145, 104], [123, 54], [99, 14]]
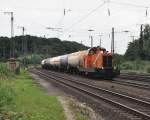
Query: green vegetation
[[6, 95], [30, 50], [148, 69], [140, 48], [136, 66], [32, 45], [21, 99], [137, 56], [32, 59], [5, 73]]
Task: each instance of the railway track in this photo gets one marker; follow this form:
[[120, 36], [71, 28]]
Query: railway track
[[137, 108], [133, 83], [144, 78], [134, 80]]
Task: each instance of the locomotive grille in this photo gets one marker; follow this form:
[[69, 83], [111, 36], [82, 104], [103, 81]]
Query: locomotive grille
[[107, 61]]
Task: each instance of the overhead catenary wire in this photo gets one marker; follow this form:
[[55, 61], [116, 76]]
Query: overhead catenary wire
[[129, 4], [87, 15], [108, 10], [132, 5], [146, 13], [83, 18], [63, 15]]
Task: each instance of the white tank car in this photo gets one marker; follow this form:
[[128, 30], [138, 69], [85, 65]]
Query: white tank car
[[55, 61], [43, 62], [77, 59], [47, 61]]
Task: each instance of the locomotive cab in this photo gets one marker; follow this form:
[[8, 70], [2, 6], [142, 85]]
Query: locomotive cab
[[99, 61], [98, 58]]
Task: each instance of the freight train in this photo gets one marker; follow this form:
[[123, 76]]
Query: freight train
[[95, 61]]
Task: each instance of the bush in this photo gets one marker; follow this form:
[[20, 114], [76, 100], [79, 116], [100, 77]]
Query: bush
[[6, 95], [148, 69], [140, 66], [7, 99], [32, 59], [5, 72], [127, 66]]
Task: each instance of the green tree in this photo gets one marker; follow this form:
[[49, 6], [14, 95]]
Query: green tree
[[37, 45], [139, 49]]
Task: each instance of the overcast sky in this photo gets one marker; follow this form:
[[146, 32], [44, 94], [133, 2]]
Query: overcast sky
[[81, 15]]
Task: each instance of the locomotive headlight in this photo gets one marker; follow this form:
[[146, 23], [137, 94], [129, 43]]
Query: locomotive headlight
[[102, 67]]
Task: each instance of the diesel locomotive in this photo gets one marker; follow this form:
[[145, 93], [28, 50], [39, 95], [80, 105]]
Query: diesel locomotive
[[95, 61]]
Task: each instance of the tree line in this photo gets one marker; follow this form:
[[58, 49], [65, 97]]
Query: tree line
[[24, 45], [140, 48]]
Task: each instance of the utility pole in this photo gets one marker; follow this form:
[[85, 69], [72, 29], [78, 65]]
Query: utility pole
[[112, 42], [66, 10], [91, 41], [100, 40], [12, 33], [69, 37], [23, 41], [22, 28], [24, 44], [141, 42], [91, 37], [12, 22]]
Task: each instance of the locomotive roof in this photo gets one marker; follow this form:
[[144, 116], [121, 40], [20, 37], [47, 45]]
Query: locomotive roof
[[97, 48]]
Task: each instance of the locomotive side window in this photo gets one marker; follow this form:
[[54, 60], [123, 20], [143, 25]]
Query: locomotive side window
[[93, 51], [107, 61]]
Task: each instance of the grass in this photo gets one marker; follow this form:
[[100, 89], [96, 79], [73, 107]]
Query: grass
[[137, 66], [5, 73], [26, 101]]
